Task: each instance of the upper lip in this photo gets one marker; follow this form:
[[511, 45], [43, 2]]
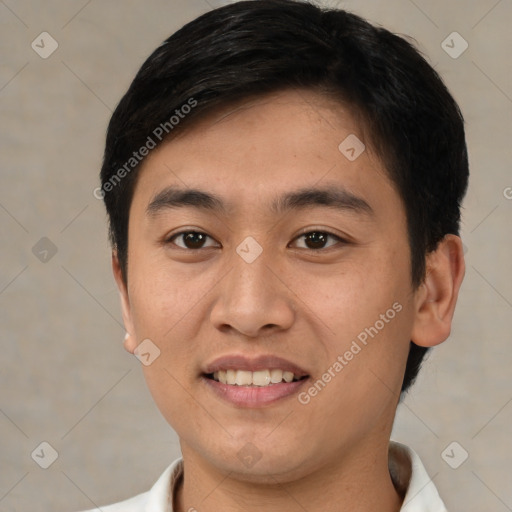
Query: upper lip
[[253, 364]]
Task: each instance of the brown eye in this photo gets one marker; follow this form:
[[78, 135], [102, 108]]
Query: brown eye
[[315, 240], [190, 240]]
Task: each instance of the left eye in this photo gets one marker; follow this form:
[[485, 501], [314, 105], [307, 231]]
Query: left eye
[[191, 240], [315, 240]]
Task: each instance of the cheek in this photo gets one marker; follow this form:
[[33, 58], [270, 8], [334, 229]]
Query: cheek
[[352, 296], [162, 310], [167, 384], [361, 382], [364, 314], [166, 308], [160, 300]]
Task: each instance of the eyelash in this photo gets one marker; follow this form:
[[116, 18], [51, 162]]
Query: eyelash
[[170, 239]]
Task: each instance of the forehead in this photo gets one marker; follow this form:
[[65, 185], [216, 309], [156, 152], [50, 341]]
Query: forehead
[[250, 151]]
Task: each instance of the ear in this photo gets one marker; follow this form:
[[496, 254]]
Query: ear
[[437, 295], [130, 341]]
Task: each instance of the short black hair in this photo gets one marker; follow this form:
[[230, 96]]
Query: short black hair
[[251, 48]]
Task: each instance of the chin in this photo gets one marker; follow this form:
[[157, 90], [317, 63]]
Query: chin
[[260, 465]]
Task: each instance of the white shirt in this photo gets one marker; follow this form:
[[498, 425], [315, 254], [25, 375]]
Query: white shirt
[[406, 471]]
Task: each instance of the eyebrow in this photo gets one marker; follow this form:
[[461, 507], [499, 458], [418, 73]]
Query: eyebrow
[[333, 197]]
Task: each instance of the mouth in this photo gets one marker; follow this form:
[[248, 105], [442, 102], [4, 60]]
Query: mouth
[[247, 382], [259, 378]]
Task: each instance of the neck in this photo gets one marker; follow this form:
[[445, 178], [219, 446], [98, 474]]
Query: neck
[[358, 481]]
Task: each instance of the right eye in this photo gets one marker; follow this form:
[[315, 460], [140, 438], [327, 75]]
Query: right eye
[[191, 240]]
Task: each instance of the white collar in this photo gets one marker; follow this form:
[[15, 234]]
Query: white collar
[[421, 495]]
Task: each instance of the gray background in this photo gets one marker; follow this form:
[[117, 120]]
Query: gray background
[[64, 376]]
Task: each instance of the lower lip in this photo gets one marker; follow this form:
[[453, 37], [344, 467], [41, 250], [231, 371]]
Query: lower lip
[[254, 396]]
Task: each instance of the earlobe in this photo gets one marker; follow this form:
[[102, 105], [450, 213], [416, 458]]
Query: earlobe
[[437, 296], [130, 341]]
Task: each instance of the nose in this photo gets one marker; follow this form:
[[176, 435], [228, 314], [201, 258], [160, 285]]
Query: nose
[[253, 300]]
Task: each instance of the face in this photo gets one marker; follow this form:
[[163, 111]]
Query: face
[[290, 261]]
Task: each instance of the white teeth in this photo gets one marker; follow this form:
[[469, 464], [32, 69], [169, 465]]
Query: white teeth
[[288, 376], [259, 378], [276, 376], [230, 377], [243, 378]]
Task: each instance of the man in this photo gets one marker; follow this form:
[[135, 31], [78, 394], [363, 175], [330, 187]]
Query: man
[[283, 185]]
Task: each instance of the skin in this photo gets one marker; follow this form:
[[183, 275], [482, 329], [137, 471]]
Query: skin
[[304, 304]]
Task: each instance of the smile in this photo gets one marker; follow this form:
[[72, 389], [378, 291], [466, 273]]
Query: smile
[[253, 381], [260, 378]]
